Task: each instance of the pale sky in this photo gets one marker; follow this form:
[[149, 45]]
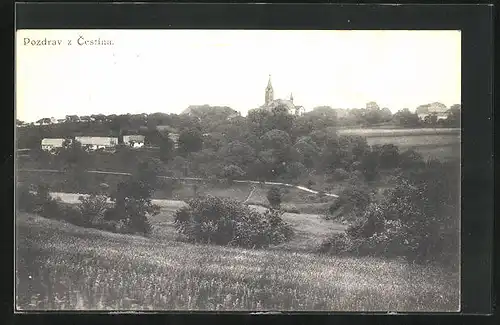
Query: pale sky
[[148, 71]]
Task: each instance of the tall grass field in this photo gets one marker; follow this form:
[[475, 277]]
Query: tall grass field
[[65, 267]]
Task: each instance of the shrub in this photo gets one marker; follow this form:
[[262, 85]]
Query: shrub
[[357, 165], [340, 174], [45, 205], [72, 214], [232, 172], [356, 178], [417, 220], [336, 244], [310, 183], [389, 156], [132, 200], [371, 223], [132, 207], [224, 221], [377, 245], [26, 199], [294, 170], [42, 203], [352, 198], [279, 231], [410, 159], [370, 164], [92, 209], [274, 196]]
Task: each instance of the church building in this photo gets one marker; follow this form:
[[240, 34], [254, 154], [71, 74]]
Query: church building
[[270, 103]]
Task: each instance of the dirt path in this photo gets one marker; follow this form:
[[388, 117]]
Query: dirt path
[[250, 194], [302, 188]]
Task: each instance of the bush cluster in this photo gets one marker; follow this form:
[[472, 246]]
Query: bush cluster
[[125, 210], [351, 204], [37, 199], [274, 197], [224, 221], [417, 220]]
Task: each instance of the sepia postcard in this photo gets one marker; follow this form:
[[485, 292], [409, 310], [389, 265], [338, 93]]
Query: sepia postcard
[[238, 170]]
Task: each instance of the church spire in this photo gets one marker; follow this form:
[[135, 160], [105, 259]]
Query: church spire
[[291, 97], [269, 86], [269, 97]]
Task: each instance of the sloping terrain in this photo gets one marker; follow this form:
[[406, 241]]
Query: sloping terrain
[[61, 266], [310, 229]]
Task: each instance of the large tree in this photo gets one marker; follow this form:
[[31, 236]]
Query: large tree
[[406, 118], [75, 162], [190, 140], [308, 149], [237, 153]]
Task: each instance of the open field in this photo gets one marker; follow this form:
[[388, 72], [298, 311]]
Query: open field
[[440, 143], [398, 132], [68, 267], [445, 147]]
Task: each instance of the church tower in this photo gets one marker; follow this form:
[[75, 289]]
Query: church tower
[[269, 92], [291, 97]]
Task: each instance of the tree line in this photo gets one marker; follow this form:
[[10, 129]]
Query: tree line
[[214, 119], [264, 145]]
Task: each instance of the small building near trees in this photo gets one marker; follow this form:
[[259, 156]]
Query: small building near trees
[[134, 141], [95, 143], [49, 144]]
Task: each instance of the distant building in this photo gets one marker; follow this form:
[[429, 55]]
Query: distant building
[[72, 118], [270, 103], [134, 141], [342, 113], [435, 109], [166, 128], [49, 144], [95, 143], [175, 139], [46, 121], [98, 118], [61, 120], [234, 115]]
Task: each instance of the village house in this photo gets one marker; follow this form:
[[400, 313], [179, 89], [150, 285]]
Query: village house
[[46, 121], [134, 141], [72, 118], [95, 143], [435, 109], [22, 124], [49, 144], [85, 118]]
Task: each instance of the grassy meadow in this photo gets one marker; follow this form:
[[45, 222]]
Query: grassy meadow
[[62, 266]]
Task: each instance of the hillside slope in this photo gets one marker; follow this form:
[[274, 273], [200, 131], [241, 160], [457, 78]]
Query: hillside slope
[[76, 268], [310, 229]]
